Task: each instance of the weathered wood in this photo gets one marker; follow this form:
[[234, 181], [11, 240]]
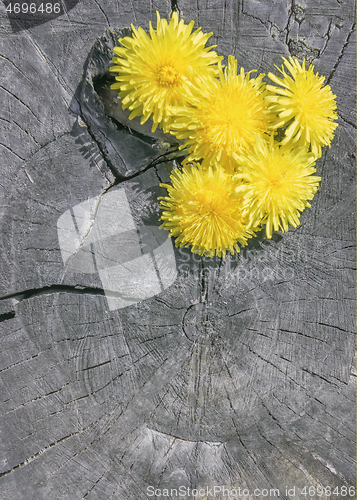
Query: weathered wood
[[242, 372]]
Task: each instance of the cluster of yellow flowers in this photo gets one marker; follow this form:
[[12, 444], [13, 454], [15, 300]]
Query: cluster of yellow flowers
[[237, 176]]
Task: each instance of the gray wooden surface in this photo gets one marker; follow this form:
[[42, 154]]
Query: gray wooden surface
[[242, 373]]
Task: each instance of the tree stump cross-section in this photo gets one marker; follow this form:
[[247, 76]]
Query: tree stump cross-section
[[234, 373]]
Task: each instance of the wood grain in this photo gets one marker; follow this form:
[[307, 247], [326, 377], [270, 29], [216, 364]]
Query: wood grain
[[242, 373]]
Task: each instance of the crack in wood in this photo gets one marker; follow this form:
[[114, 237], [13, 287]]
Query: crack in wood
[[11, 151], [33, 292], [175, 7], [39, 453], [341, 54], [7, 316], [103, 12]]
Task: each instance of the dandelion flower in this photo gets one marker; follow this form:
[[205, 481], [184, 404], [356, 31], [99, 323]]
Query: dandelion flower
[[158, 71], [223, 118], [277, 183], [203, 211], [304, 99]]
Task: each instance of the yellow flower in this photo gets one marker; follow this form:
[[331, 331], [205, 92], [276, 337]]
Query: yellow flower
[[158, 71], [203, 211], [223, 118], [305, 100], [277, 183]]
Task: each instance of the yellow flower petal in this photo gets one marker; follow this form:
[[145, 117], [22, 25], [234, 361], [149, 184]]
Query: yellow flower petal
[[203, 211], [223, 118], [277, 183], [162, 67], [306, 99]]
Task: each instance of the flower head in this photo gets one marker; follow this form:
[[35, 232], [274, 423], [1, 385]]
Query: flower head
[[203, 211], [158, 71], [277, 183], [303, 98], [223, 118]]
